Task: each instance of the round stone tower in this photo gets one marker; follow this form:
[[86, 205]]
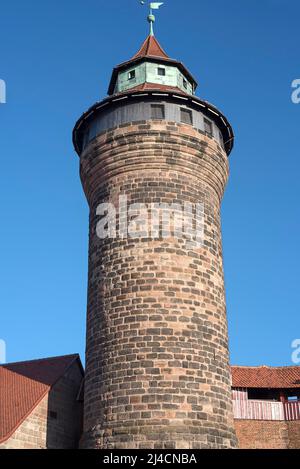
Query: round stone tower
[[154, 165]]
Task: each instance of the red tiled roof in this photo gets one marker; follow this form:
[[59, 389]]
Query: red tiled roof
[[154, 86], [151, 48], [23, 385], [265, 377]]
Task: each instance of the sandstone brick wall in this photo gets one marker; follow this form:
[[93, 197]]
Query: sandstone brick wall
[[40, 431], [294, 434], [65, 430], [263, 434], [157, 372], [32, 433]]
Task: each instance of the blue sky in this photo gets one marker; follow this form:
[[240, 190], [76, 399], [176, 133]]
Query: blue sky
[[56, 59]]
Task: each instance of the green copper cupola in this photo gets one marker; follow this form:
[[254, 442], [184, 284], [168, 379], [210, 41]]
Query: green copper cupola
[[151, 68]]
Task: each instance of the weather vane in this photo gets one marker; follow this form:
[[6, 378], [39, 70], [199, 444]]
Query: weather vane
[[151, 17]]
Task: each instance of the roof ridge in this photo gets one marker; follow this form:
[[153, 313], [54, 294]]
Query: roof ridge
[[57, 357], [266, 366]]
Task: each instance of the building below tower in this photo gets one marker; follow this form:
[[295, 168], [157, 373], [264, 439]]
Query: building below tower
[[266, 403], [41, 405]]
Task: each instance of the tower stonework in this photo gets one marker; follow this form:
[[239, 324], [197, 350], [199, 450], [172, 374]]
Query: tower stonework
[[157, 365]]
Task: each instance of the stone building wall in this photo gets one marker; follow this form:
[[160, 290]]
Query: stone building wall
[[65, 429], [267, 434], [294, 434]]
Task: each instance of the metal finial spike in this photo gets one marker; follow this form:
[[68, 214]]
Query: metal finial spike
[[151, 17]]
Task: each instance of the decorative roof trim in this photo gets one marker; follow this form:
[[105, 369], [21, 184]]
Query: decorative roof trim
[[203, 105]]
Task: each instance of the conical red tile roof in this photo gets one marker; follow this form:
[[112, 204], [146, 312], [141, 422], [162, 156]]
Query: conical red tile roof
[[151, 48]]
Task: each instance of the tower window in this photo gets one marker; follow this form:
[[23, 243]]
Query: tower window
[[157, 111], [185, 83], [131, 75], [86, 137], [161, 71], [221, 139], [208, 127], [186, 116]]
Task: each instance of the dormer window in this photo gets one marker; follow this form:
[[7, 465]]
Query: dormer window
[[185, 83], [131, 75], [161, 71]]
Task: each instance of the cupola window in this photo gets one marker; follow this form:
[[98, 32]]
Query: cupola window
[[185, 83], [161, 71], [131, 75]]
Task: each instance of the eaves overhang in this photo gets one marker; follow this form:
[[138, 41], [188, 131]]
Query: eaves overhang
[[205, 107]]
